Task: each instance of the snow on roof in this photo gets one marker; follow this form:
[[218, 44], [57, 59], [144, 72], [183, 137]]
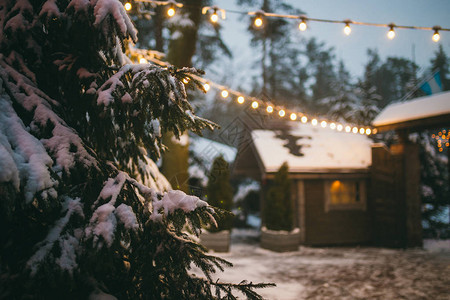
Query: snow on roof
[[208, 149], [418, 108], [308, 148]]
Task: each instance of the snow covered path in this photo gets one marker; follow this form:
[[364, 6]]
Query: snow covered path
[[340, 273]]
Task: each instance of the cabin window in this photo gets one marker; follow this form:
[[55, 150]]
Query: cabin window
[[345, 194]]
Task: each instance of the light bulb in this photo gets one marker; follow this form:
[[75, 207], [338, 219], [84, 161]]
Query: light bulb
[[281, 113], [269, 109], [347, 29], [361, 131], [314, 122], [339, 127], [142, 60], [171, 12], [186, 80], [128, 6], [206, 87], [333, 126], [258, 22], [355, 130], [224, 93], [293, 116], [323, 124], [240, 99], [302, 26], [368, 131], [304, 119], [255, 104], [436, 36], [348, 128], [214, 17], [391, 32], [374, 131]]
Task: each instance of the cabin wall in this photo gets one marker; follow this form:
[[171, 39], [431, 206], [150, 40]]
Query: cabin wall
[[333, 227]]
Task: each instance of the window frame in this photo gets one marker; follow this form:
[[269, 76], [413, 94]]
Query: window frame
[[361, 205]]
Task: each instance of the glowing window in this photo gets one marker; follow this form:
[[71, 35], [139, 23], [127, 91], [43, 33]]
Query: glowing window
[[345, 194]]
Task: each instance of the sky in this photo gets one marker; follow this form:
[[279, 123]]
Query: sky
[[352, 50]]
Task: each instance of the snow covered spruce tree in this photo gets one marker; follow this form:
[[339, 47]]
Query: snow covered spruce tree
[[84, 211]]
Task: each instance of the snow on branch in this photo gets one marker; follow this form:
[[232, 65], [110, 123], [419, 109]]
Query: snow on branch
[[105, 8]]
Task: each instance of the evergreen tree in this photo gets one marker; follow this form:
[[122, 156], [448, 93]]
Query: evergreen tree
[[278, 204], [440, 63], [84, 210], [220, 192]]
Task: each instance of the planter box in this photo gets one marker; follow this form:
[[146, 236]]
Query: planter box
[[280, 241], [217, 241]]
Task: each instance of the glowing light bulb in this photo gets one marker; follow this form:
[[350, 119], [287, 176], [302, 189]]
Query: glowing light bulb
[[240, 100], [355, 130], [323, 124], [339, 127], [302, 26], [304, 119], [293, 116], [347, 29], [348, 128], [214, 17], [171, 12], [314, 122], [142, 60], [281, 113], [206, 87], [269, 109], [391, 32], [333, 126], [224, 93], [128, 6], [258, 22], [436, 36], [368, 131], [186, 80], [361, 131], [255, 104]]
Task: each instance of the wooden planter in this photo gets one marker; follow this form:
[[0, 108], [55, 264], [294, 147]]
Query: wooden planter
[[280, 241], [217, 241]]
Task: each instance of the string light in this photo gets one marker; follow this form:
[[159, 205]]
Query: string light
[[258, 20], [142, 60], [224, 93], [214, 16], [362, 130], [436, 37], [391, 32], [302, 26], [128, 6], [355, 130], [347, 29], [186, 80]]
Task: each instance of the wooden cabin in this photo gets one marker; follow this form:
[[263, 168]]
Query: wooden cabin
[[330, 179]]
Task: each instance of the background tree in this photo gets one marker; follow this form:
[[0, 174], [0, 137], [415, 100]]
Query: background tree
[[440, 63], [84, 210], [278, 205], [220, 192]]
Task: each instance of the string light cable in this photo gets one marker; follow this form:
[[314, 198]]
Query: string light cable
[[259, 18], [145, 56]]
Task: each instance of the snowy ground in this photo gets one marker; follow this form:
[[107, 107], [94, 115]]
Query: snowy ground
[[341, 273]]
